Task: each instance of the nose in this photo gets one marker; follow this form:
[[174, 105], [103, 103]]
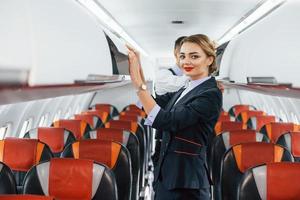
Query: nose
[[185, 61]]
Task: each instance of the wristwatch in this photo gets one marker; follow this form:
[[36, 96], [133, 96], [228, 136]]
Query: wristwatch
[[142, 87]]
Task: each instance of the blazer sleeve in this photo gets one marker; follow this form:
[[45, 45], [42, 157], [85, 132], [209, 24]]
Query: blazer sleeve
[[201, 108], [163, 100]]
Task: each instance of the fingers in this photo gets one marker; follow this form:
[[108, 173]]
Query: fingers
[[131, 49]]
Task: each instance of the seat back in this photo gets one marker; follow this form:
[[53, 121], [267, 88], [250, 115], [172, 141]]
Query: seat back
[[225, 126], [275, 129], [138, 130], [291, 141], [77, 127], [93, 120], [131, 107], [104, 116], [7, 180], [271, 181], [236, 109], [25, 197], [56, 138], [112, 154], [129, 117], [140, 113], [21, 154], [241, 157], [245, 115], [257, 122], [74, 179], [221, 144], [131, 142], [112, 110], [224, 116]]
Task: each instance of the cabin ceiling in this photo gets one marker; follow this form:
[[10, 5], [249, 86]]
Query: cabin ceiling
[[149, 22]]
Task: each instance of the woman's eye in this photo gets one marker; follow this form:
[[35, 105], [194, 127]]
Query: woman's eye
[[181, 57], [194, 56]]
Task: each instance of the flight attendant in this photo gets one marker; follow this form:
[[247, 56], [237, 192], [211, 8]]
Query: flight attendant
[[186, 117]]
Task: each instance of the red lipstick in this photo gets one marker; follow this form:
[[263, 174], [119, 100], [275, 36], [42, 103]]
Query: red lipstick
[[188, 68]]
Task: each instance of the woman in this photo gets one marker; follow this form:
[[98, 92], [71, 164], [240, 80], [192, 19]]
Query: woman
[[186, 117]]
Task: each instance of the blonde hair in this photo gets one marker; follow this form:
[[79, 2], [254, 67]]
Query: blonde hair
[[206, 45]]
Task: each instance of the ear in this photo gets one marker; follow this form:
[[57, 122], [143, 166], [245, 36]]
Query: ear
[[210, 60]]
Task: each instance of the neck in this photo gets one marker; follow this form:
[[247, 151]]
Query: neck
[[199, 76]]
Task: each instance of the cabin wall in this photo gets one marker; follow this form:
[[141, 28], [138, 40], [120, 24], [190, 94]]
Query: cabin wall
[[286, 108], [118, 96], [53, 109], [269, 48]]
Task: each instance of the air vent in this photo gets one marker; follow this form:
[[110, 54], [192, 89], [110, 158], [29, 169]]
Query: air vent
[[177, 22]]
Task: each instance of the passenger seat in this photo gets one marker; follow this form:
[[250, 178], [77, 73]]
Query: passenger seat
[[21, 154], [56, 138], [74, 179]]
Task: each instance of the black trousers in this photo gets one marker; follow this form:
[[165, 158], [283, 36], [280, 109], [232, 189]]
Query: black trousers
[[161, 193]]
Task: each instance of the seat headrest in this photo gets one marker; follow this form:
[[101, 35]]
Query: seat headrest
[[257, 122], [104, 107], [248, 155], [128, 117], [54, 137], [235, 137], [276, 129], [77, 127], [111, 134], [22, 154], [272, 181], [75, 179], [90, 118], [229, 126], [236, 109], [102, 151], [101, 114], [121, 124]]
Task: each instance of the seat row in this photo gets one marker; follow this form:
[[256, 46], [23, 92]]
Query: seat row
[[236, 152], [127, 160]]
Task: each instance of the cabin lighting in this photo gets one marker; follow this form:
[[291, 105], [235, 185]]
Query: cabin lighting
[[110, 23], [250, 18]]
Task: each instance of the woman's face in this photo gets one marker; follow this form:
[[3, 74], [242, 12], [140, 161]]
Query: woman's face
[[193, 61]]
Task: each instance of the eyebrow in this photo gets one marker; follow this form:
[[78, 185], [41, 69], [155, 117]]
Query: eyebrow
[[190, 53]]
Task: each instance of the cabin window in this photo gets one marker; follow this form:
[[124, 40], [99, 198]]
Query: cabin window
[[294, 118], [68, 114], [57, 116], [43, 120], [283, 116], [77, 110], [3, 131], [27, 125]]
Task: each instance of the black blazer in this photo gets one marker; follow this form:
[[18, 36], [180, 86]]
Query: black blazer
[[187, 129]]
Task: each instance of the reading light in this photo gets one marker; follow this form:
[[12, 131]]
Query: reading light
[[110, 23], [250, 18]]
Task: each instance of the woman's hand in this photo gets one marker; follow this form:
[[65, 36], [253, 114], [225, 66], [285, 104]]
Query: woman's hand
[[134, 67]]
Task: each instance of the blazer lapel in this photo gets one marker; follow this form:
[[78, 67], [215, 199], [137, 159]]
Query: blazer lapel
[[210, 83], [173, 99]]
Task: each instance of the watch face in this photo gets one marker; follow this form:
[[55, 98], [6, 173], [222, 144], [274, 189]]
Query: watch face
[[144, 87]]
